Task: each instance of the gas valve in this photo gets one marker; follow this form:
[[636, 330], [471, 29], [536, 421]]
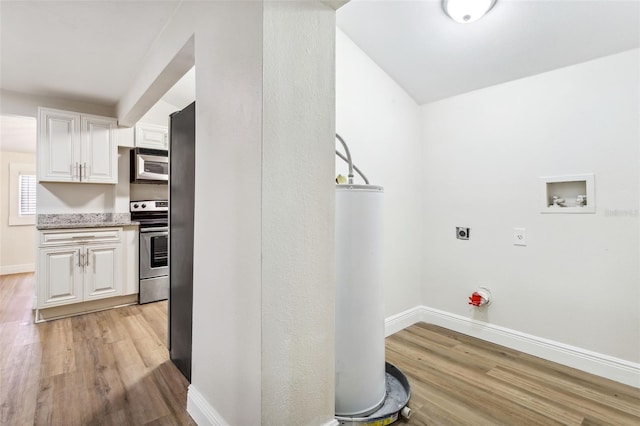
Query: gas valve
[[480, 297]]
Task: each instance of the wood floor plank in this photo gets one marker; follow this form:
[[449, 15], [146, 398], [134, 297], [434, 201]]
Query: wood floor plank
[[583, 378], [151, 350], [418, 351], [460, 358], [112, 329], [18, 383], [45, 400], [146, 403], [16, 303], [156, 316], [484, 406], [102, 388], [138, 328], [117, 418], [593, 394], [592, 409], [173, 388], [85, 327]]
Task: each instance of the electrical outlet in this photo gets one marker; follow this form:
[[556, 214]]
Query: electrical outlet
[[519, 237], [462, 233]]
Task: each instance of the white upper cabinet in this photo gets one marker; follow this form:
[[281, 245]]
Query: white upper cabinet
[[152, 136], [99, 149], [58, 146], [74, 147]]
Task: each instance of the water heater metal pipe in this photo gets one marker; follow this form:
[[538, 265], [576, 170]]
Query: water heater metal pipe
[[359, 317]]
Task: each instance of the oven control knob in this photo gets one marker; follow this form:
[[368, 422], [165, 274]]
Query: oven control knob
[[135, 206], [144, 206]]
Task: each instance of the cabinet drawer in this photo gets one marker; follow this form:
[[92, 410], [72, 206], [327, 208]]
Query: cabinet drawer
[[51, 238]]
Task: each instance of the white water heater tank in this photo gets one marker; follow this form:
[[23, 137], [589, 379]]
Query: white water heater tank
[[359, 317]]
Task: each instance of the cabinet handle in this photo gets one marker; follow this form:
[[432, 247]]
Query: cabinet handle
[[79, 260], [84, 168], [87, 264], [75, 171]]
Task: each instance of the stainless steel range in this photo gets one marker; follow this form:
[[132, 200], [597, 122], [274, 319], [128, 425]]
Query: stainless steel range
[[154, 248]]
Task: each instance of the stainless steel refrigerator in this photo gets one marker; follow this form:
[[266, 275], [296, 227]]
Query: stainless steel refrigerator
[[182, 143]]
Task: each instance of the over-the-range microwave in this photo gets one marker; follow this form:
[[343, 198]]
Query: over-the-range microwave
[[149, 166]]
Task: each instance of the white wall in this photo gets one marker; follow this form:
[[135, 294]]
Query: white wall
[[16, 103], [159, 114], [238, 179], [227, 246], [298, 214], [17, 245], [576, 281], [381, 125]]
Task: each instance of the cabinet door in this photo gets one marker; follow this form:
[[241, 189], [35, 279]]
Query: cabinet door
[[152, 136], [59, 276], [102, 271], [99, 150], [58, 146]]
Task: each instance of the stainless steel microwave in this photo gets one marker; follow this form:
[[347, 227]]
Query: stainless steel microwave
[[149, 166]]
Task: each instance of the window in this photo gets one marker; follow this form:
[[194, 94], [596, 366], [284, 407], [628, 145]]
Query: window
[[22, 194], [27, 197]]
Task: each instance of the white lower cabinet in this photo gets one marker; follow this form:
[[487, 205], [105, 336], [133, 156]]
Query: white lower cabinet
[[79, 266], [60, 276], [102, 271]]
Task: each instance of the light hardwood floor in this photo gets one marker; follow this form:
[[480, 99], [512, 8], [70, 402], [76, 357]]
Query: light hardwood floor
[[460, 380], [105, 368], [112, 368]]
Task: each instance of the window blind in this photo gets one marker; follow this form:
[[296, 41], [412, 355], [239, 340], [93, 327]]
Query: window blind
[[27, 195]]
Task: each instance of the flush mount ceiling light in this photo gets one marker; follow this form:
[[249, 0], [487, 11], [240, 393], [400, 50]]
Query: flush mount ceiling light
[[467, 11]]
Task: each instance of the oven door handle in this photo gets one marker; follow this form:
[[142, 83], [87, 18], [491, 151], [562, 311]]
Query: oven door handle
[[147, 231]]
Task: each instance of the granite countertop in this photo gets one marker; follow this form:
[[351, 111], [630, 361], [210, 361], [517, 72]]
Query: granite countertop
[[83, 220]]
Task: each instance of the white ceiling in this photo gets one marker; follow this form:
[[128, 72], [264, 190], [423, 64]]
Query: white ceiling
[[81, 50], [91, 50], [432, 57]]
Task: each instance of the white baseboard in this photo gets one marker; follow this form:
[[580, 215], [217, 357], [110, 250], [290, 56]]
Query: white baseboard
[[205, 415], [592, 362], [400, 321], [201, 411], [17, 269]]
